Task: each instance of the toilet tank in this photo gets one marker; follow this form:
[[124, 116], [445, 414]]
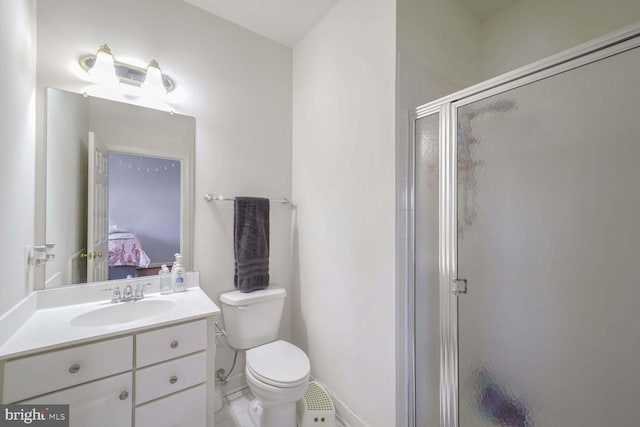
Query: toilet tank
[[253, 318]]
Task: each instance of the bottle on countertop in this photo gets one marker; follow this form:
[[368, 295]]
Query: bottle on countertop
[[177, 275], [165, 280]]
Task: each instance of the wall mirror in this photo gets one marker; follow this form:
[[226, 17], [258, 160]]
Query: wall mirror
[[119, 188]]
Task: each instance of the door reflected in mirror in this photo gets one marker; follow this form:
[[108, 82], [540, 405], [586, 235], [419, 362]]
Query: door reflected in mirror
[[119, 188]]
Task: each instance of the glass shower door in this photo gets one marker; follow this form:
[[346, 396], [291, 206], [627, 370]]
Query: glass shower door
[[548, 238]]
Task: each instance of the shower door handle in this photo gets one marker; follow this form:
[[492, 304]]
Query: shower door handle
[[459, 286]]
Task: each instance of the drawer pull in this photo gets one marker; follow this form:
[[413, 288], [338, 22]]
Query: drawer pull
[[74, 368], [124, 395], [174, 344], [173, 379]]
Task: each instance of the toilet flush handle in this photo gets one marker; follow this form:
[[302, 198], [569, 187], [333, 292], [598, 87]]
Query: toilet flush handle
[[240, 307]]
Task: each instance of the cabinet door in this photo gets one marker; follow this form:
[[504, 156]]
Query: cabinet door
[[104, 403]]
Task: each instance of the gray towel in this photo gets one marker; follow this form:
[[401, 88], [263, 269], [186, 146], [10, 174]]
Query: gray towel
[[251, 243]]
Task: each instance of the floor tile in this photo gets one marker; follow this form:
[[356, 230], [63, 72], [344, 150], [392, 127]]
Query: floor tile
[[223, 414]]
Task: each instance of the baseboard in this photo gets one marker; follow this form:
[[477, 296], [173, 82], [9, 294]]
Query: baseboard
[[344, 413]]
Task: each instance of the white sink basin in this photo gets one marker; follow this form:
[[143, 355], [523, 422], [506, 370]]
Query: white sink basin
[[122, 313]]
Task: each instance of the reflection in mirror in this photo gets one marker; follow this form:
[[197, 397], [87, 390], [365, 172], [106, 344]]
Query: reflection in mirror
[[119, 188], [139, 244]]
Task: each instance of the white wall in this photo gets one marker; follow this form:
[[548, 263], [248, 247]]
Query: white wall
[[344, 189], [17, 142], [534, 29], [235, 83]]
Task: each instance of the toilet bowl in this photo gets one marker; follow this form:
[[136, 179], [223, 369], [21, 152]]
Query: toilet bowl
[[277, 372]]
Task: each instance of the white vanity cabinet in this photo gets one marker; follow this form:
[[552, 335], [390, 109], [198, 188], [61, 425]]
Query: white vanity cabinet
[[150, 378]]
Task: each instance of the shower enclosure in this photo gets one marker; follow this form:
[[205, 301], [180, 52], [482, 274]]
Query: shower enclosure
[[524, 289]]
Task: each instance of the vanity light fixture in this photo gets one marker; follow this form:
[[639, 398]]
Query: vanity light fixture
[[103, 68]]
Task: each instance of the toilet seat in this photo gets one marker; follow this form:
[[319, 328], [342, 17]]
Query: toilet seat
[[280, 364]]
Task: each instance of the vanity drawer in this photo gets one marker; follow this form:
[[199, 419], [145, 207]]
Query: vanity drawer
[[185, 409], [35, 375], [167, 343], [169, 377]]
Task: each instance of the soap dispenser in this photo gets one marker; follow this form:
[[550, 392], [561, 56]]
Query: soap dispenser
[[177, 275], [165, 280]]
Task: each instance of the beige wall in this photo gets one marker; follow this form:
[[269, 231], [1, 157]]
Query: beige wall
[[17, 141], [442, 37], [343, 186], [534, 29], [442, 47], [235, 83]]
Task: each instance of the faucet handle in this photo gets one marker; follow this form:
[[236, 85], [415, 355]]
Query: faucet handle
[[140, 290], [116, 293]]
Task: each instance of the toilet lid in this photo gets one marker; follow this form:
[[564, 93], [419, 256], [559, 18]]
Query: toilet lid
[[280, 364]]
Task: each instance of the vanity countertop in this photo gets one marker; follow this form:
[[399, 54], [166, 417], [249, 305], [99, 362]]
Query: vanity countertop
[[48, 325]]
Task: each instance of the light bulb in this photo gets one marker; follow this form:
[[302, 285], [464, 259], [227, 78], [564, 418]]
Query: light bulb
[[103, 71], [153, 85]]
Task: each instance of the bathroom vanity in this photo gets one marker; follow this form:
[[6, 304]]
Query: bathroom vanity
[[142, 363]]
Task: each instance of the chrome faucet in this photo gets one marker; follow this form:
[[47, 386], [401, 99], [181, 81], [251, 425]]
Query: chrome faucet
[[127, 294]]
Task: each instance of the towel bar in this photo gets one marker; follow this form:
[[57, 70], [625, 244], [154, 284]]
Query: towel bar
[[220, 198]]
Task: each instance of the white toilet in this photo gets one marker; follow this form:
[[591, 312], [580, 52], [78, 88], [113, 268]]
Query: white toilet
[[277, 371]]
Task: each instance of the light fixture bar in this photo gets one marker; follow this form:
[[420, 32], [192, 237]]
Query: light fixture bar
[[129, 74]]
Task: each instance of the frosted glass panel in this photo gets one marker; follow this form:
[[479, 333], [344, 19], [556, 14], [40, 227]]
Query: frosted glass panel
[[549, 241], [426, 270]]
